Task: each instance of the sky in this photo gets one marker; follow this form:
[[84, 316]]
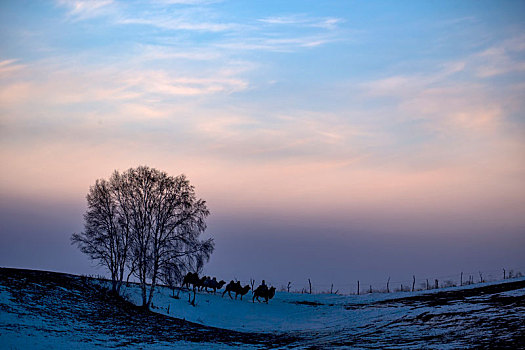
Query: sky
[[335, 140]]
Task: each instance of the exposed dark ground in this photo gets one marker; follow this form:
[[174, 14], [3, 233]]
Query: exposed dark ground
[[497, 321], [74, 308]]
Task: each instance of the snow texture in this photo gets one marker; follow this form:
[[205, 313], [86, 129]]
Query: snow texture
[[49, 310]]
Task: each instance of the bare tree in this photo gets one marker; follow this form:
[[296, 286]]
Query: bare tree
[[104, 238], [160, 218], [166, 222]]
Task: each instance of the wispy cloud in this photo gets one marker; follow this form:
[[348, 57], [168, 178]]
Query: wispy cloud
[[281, 44], [303, 21], [196, 16], [160, 52], [460, 95], [406, 85], [171, 23], [67, 85], [501, 59], [85, 9], [450, 109], [163, 83], [311, 137], [9, 66], [156, 14]]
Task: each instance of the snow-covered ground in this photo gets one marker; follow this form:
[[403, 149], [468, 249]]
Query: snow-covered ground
[[281, 314], [328, 318], [66, 312]]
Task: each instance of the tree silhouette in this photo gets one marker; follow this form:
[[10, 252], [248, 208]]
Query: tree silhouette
[[105, 238], [156, 220]]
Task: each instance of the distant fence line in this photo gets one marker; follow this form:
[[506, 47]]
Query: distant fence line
[[415, 282], [387, 285]]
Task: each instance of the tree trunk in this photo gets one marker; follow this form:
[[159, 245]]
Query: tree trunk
[[153, 283], [151, 291], [113, 284], [144, 295], [143, 286], [121, 276]]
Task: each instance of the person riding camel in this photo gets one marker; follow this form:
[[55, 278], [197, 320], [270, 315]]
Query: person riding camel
[[263, 286], [263, 292]]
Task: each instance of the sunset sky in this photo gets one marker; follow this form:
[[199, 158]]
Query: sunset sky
[[332, 140]]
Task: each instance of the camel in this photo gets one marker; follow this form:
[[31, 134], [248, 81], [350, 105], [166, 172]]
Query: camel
[[263, 292], [190, 278], [206, 283], [236, 288], [231, 287], [202, 282], [213, 284], [242, 291]]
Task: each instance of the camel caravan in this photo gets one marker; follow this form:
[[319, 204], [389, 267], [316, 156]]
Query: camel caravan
[[203, 283]]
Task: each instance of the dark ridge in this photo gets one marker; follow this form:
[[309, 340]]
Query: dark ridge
[[83, 308], [309, 303]]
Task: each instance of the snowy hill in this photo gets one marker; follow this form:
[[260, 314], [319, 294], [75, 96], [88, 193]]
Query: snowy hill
[[51, 310]]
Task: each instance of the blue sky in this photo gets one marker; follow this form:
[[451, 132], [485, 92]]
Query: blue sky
[[304, 121]]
